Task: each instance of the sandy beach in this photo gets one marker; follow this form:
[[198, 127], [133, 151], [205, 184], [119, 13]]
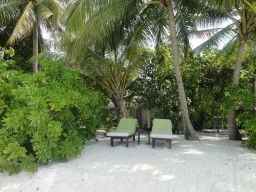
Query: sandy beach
[[213, 164]]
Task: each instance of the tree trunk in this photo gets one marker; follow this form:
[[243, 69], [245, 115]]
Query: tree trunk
[[119, 109], [255, 93], [233, 132], [118, 91], [190, 132], [35, 46]]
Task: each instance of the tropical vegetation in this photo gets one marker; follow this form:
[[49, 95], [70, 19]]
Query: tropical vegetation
[[23, 18], [130, 52], [241, 14], [46, 116]]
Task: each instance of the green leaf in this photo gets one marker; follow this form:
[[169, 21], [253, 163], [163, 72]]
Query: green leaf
[[54, 129], [14, 152], [10, 52]]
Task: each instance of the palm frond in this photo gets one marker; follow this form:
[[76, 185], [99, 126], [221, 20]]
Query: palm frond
[[75, 16], [102, 24], [228, 49], [49, 13], [8, 12], [223, 3], [253, 7], [184, 25], [48, 55], [158, 26], [24, 25], [218, 38], [149, 26], [204, 33], [43, 12]]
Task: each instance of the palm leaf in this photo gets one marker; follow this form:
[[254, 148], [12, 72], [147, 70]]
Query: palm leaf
[[217, 38], [42, 12], [99, 27], [204, 33], [75, 16], [252, 6], [228, 49], [24, 25], [222, 3], [55, 8], [156, 22], [8, 12], [184, 25]]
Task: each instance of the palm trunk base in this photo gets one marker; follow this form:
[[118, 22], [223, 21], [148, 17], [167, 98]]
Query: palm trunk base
[[186, 135], [189, 131], [192, 136], [234, 134], [120, 114]]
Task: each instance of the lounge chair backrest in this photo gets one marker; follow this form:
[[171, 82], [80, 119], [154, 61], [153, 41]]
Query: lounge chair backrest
[[162, 126], [128, 125]]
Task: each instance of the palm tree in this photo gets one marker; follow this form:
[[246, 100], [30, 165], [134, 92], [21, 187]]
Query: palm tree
[[190, 134], [242, 14], [29, 15], [112, 75], [96, 24]]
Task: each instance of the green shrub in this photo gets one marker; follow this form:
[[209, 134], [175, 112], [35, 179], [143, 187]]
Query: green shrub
[[244, 101], [44, 116]]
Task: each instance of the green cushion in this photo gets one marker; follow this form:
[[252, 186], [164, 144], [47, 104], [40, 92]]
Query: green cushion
[[162, 126], [127, 125]]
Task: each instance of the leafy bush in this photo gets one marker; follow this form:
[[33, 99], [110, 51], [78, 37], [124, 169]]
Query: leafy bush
[[204, 84], [44, 116], [244, 102]]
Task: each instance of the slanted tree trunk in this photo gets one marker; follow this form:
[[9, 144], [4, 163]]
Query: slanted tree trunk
[[233, 132], [190, 132], [35, 46]]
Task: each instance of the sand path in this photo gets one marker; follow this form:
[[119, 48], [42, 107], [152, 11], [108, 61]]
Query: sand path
[[213, 164]]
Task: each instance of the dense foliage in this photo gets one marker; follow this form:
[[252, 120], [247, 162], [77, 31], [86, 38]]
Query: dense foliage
[[243, 97], [44, 116], [206, 81], [244, 101], [48, 115]]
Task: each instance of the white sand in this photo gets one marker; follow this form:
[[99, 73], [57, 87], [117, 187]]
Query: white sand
[[213, 164]]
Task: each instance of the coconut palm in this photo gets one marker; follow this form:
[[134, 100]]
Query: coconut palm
[[134, 17], [112, 74], [191, 134], [242, 17], [29, 16]]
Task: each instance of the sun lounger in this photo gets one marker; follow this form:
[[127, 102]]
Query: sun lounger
[[125, 130], [161, 130]]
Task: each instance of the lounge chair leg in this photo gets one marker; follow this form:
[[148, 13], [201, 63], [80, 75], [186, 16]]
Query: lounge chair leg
[[112, 142], [170, 143], [138, 138], [121, 139], [134, 138], [127, 142], [153, 143]]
